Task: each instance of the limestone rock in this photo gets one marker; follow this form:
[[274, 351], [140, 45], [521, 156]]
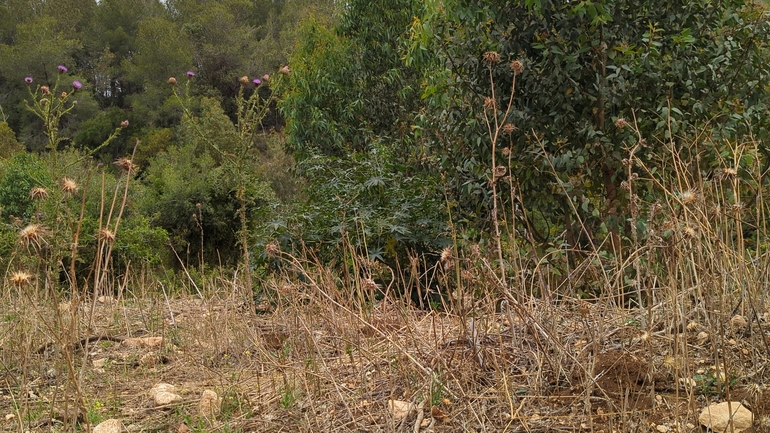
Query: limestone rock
[[163, 394], [109, 426], [739, 323], [399, 409], [210, 404], [144, 342], [717, 417], [149, 359]]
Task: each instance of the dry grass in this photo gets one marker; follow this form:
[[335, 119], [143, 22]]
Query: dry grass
[[312, 360], [677, 321]]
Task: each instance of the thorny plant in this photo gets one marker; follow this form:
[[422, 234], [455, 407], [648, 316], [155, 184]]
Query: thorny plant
[[254, 100], [42, 268]]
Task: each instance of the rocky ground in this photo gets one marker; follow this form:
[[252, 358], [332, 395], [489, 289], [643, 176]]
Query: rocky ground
[[192, 364]]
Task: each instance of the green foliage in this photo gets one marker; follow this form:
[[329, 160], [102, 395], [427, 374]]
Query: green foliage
[[18, 175], [385, 208], [349, 105], [8, 143], [586, 65]]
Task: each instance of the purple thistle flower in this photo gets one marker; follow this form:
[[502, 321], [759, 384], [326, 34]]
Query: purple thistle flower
[[62, 69], [77, 84], [256, 81], [28, 80], [190, 74]]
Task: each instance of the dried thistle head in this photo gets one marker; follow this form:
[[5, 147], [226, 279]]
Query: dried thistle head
[[500, 171], [69, 186], [126, 164], [508, 128], [45, 90], [492, 57], [446, 254], [38, 193], [244, 79], [730, 172], [517, 67], [689, 232], [489, 103], [272, 249], [285, 70], [171, 80], [106, 235], [20, 278], [621, 123], [689, 197], [506, 151], [369, 285], [32, 234]]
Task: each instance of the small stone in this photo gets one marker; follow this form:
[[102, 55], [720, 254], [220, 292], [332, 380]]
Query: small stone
[[661, 428], [163, 394], [209, 405], [149, 359], [399, 409], [183, 428], [163, 398], [109, 426], [702, 337], [105, 299], [99, 363], [717, 417], [145, 342], [739, 323]]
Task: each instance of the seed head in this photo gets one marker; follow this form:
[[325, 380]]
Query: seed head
[[517, 67], [492, 57], [446, 254], [171, 80], [508, 128], [126, 165], [32, 235], [730, 172], [506, 151], [38, 193], [124, 124], [272, 249], [20, 278], [45, 90], [63, 95], [244, 79], [621, 123], [285, 70], [266, 78], [69, 186], [689, 197], [500, 171], [689, 232], [369, 284], [489, 103], [106, 235]]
